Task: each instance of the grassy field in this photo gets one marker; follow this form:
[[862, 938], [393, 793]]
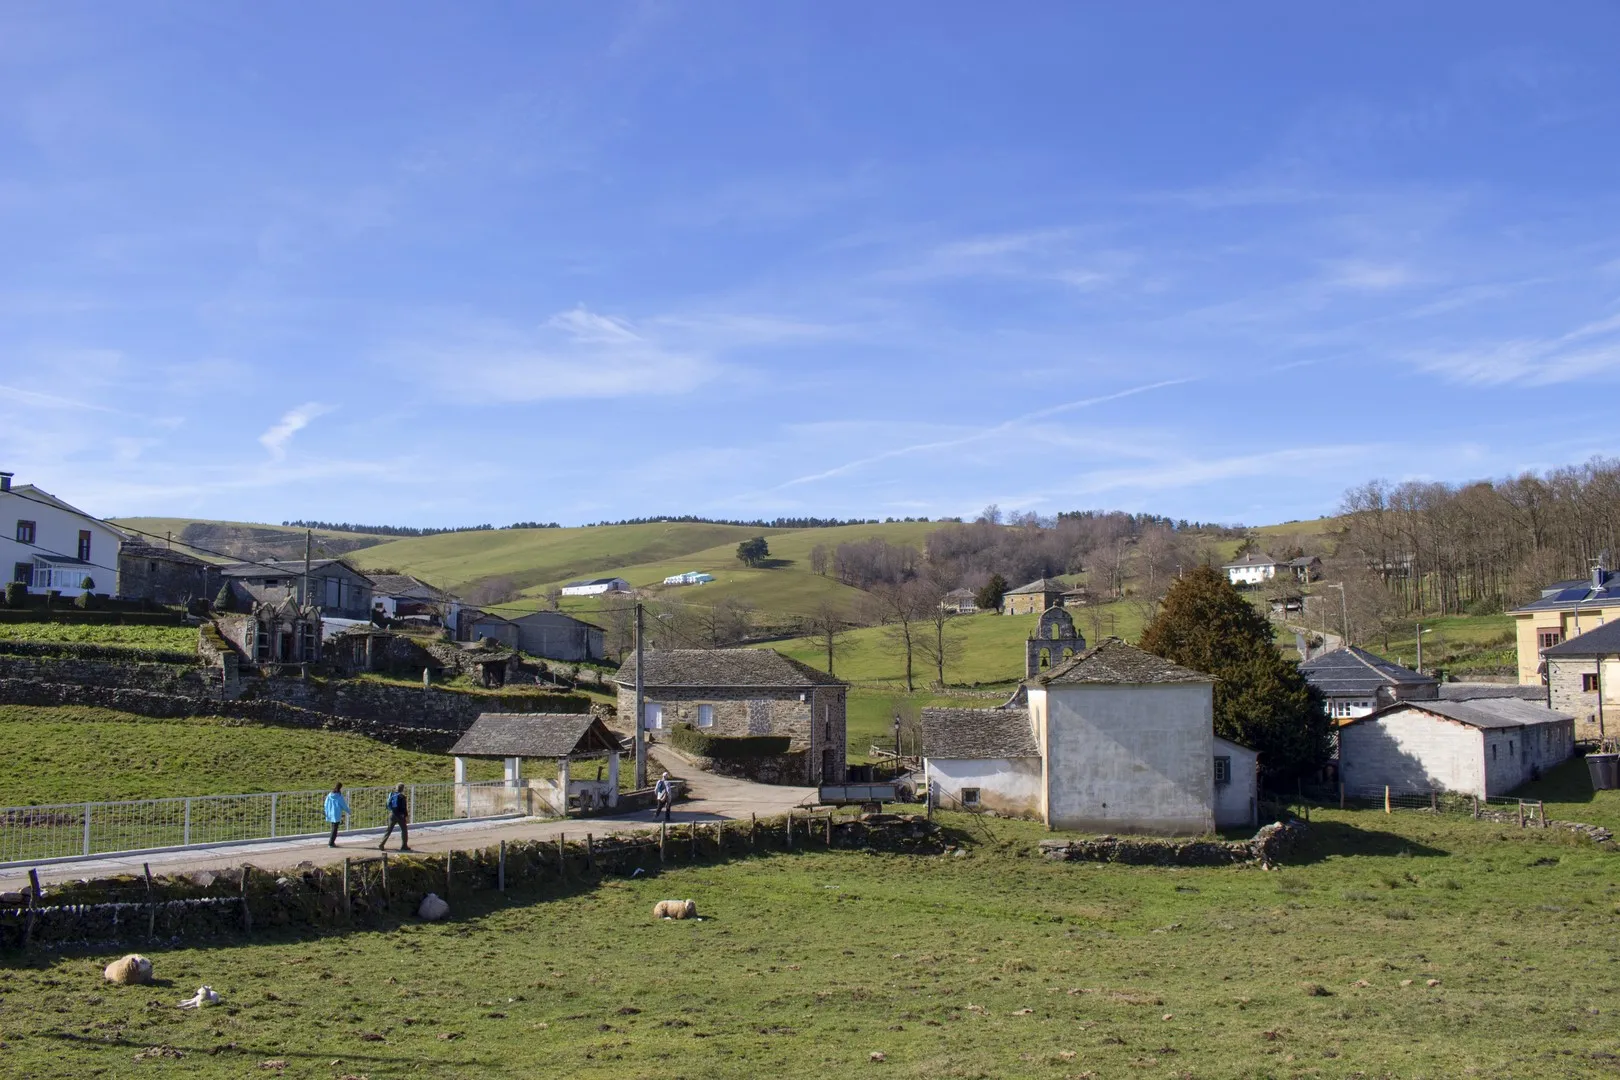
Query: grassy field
[[76, 754], [1461, 644], [1399, 946], [148, 637]]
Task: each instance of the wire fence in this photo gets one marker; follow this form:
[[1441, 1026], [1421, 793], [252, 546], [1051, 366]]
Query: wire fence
[[76, 830], [1495, 807]]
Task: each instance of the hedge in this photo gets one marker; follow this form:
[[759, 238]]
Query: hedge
[[688, 739], [96, 618], [86, 650]]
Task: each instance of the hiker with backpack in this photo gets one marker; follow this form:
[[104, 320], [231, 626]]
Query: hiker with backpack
[[399, 813]]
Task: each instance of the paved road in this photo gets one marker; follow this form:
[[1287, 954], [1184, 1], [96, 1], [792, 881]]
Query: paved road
[[711, 798]]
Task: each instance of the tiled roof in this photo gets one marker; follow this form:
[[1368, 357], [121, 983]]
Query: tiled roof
[[1356, 671], [534, 735], [1479, 713], [1253, 558], [723, 667], [1114, 662], [977, 734], [1599, 641], [1044, 585]]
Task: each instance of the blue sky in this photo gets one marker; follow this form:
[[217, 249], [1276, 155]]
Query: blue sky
[[437, 264]]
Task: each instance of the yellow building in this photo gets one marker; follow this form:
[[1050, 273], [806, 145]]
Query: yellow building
[[1565, 610]]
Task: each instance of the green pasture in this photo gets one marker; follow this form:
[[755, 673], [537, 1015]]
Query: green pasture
[[183, 638], [1400, 946]]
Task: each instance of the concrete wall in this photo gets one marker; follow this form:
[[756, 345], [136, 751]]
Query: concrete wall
[[815, 725], [1235, 801], [1411, 752], [502, 631], [1127, 758], [556, 636], [1006, 786]]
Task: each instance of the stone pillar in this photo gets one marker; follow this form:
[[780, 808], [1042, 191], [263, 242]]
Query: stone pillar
[[613, 779], [461, 770], [513, 765], [562, 785]]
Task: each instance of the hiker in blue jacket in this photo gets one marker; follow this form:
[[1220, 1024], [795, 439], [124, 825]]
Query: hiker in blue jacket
[[336, 809], [399, 813]]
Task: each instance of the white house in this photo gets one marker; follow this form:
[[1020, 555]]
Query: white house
[[1483, 747], [48, 544], [596, 586], [691, 577], [1253, 569], [1114, 740]]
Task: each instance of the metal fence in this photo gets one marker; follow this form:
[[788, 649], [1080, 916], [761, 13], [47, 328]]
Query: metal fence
[[1527, 811], [76, 830]]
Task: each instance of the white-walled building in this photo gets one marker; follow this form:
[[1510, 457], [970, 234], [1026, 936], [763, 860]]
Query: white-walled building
[[1114, 740], [691, 577], [596, 587], [1254, 568], [48, 544], [1483, 747]]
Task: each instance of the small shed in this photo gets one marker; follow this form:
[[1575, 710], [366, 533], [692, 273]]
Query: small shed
[[983, 759], [1483, 747], [561, 737]]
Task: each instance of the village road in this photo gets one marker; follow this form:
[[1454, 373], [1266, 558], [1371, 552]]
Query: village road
[[711, 798]]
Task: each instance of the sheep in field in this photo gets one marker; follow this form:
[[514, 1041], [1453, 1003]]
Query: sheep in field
[[129, 970], [675, 909]]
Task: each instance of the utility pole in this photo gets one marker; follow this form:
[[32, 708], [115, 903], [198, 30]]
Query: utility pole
[[309, 540], [1419, 628], [1344, 611], [641, 707]]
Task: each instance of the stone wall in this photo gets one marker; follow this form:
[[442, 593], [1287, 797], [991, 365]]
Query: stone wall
[[1565, 682], [789, 768], [169, 678], [1269, 847], [817, 725]]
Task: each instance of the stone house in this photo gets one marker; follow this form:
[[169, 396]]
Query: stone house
[[1583, 679], [1113, 740], [1354, 682], [1564, 610], [745, 692], [284, 632], [1034, 598], [959, 601], [1482, 747], [148, 571], [337, 589], [407, 598]]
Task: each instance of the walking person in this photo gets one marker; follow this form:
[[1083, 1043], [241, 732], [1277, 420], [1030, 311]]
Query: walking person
[[337, 808], [664, 792], [399, 813]]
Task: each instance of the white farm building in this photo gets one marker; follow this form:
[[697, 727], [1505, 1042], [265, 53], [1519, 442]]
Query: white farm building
[[1482, 746], [596, 586]]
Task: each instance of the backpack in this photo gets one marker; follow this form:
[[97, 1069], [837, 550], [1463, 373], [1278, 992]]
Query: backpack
[[396, 802]]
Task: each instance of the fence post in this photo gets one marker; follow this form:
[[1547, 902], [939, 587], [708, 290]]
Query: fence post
[[33, 902], [1341, 794], [590, 852], [386, 897], [87, 828], [185, 839], [753, 830], [1386, 798], [151, 902], [247, 913], [1521, 813], [790, 831], [347, 911], [829, 828], [1434, 801], [692, 842], [273, 796], [1541, 812], [663, 838], [1476, 807], [449, 858], [500, 870], [562, 857]]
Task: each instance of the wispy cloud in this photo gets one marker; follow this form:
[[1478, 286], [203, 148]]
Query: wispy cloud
[[277, 435], [1590, 350]]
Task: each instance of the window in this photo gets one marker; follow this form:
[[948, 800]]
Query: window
[[1493, 751], [1546, 639], [84, 545], [705, 716], [1589, 683], [654, 717], [970, 796], [25, 532], [151, 566], [1223, 770]]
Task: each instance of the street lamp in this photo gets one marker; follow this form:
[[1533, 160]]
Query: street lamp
[[897, 743], [1420, 633]]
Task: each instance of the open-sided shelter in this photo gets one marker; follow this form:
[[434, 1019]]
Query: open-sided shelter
[[565, 738]]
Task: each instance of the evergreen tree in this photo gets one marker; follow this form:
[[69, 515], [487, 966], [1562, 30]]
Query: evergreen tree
[[224, 601], [989, 597], [1261, 699]]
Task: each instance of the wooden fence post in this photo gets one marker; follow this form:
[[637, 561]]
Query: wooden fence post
[[347, 911], [386, 897], [151, 902], [790, 830], [1341, 794], [691, 835], [1386, 799], [1521, 813], [33, 902], [449, 858], [500, 870], [590, 852], [247, 913], [753, 830], [1541, 812], [1476, 807], [562, 857]]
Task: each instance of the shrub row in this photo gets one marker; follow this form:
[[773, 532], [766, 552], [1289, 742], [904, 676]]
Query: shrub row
[[83, 650], [690, 740], [67, 614]]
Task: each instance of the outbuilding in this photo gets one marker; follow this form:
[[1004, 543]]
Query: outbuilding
[[566, 738], [1481, 747], [1354, 682]]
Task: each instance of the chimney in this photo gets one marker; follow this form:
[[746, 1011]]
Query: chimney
[[5, 481], [1599, 575]]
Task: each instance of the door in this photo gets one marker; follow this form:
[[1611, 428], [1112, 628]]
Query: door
[[654, 716]]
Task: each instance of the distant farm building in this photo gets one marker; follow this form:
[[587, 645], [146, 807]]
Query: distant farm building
[[691, 577], [1034, 598], [596, 586]]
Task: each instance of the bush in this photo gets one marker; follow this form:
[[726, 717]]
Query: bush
[[16, 594], [224, 601], [690, 740], [85, 600]]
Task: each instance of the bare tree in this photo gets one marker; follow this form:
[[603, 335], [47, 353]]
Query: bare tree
[[903, 609], [826, 626], [941, 640], [553, 598], [818, 559], [725, 622]]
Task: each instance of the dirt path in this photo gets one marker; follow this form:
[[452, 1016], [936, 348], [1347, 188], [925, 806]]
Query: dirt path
[[711, 798]]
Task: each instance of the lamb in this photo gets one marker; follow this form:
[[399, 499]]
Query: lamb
[[432, 908], [675, 909], [130, 970]]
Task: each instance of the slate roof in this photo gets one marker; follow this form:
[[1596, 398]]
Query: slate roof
[[403, 586], [1465, 691], [723, 667], [1352, 671], [1113, 662], [1043, 585], [293, 567], [978, 734], [1567, 595], [594, 581], [137, 548], [1253, 558], [1600, 641], [1479, 713], [536, 735], [553, 616]]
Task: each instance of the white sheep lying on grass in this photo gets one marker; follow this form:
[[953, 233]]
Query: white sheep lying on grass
[[130, 970], [675, 909]]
